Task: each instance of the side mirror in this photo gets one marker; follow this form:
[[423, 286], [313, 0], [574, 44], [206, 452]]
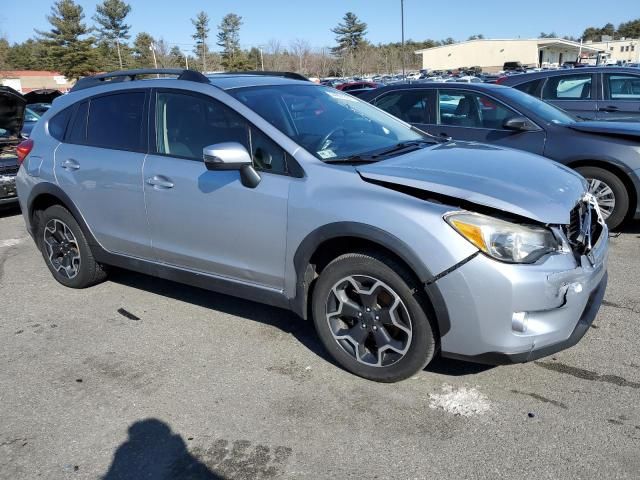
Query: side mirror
[[519, 123], [231, 156]]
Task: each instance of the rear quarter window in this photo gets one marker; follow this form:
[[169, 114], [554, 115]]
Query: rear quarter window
[[530, 87], [77, 129], [58, 124]]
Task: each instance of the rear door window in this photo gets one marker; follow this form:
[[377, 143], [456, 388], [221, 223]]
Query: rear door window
[[116, 121], [622, 87], [568, 87], [409, 105]]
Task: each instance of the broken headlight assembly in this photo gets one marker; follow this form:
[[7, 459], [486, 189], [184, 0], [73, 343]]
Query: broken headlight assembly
[[502, 240]]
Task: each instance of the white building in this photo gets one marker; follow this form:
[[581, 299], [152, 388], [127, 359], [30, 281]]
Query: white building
[[491, 54], [625, 50]]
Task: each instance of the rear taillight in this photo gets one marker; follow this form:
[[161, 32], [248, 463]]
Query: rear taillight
[[23, 150], [501, 79]]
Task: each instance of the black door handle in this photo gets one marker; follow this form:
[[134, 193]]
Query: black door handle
[[609, 108]]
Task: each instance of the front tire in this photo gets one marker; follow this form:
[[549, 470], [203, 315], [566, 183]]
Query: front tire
[[610, 192], [369, 318], [65, 249]]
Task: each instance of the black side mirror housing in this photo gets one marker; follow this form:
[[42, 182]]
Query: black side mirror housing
[[520, 123]]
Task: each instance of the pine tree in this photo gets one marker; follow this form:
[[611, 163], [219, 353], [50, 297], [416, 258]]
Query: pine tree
[[176, 56], [233, 58], [142, 50], [4, 53], [350, 35], [70, 47], [201, 22], [629, 29], [110, 17], [29, 55]]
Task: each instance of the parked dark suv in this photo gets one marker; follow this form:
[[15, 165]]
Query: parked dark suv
[[594, 93]]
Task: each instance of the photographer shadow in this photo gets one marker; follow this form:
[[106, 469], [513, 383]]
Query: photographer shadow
[[153, 451]]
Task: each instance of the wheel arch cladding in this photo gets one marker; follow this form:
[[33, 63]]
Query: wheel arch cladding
[[45, 195], [329, 241]]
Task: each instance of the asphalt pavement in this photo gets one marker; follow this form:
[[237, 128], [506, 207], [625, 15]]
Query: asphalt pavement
[[144, 378]]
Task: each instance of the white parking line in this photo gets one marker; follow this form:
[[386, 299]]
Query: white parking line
[[11, 242]]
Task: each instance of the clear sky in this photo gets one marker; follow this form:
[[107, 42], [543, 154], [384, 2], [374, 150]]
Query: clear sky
[[312, 19]]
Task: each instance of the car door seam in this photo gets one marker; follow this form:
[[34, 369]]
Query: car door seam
[[144, 197]]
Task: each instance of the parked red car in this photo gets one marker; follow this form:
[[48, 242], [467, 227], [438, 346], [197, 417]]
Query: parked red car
[[345, 87]]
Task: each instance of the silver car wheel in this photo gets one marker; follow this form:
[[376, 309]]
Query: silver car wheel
[[62, 248], [604, 196], [369, 320]]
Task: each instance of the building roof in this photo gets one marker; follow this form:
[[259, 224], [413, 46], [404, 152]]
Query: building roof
[[539, 41], [28, 73]]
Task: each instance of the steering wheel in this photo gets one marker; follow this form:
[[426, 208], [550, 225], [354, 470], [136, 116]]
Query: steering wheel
[[328, 136]]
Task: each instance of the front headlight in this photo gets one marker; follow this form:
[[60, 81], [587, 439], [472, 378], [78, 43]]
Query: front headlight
[[504, 241]]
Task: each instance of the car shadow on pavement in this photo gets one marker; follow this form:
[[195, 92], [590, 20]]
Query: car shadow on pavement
[[288, 322], [632, 227], [9, 211], [154, 451], [284, 320], [456, 368]]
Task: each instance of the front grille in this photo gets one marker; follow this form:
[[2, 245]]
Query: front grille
[[575, 222], [584, 227], [9, 169]]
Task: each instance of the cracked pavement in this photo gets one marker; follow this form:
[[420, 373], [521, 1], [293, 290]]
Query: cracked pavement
[[144, 378]]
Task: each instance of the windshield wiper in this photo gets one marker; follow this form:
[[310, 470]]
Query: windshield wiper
[[399, 147], [377, 155], [351, 159]]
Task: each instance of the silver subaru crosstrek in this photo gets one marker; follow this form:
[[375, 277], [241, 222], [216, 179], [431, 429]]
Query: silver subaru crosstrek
[[397, 245]]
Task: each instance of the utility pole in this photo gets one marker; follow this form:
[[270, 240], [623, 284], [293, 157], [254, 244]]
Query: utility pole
[[404, 77], [152, 47], [261, 58], [119, 54], [204, 53]]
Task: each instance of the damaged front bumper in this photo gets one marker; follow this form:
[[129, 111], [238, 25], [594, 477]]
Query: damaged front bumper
[[504, 313]]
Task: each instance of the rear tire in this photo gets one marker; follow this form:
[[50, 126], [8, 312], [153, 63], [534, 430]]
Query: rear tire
[[65, 249], [608, 187], [370, 319]]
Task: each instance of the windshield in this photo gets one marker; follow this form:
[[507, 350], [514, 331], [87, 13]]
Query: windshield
[[30, 115], [328, 123], [545, 111]]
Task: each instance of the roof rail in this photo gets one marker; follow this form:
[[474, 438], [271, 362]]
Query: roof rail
[[129, 75], [290, 75]]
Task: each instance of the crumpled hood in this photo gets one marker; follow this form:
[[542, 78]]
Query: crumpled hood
[[509, 180], [623, 129]]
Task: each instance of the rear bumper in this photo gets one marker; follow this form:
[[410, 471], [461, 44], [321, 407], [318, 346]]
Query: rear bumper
[[501, 313]]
